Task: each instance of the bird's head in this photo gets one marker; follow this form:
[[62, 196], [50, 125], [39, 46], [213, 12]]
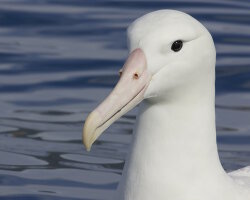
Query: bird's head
[[169, 52]]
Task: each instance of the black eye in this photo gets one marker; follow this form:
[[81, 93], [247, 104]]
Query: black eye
[[177, 45]]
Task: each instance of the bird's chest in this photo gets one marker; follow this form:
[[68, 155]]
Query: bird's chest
[[141, 185]]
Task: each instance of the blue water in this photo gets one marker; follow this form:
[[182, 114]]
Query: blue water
[[58, 59]]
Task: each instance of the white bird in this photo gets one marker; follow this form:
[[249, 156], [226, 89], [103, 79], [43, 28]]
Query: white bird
[[171, 71]]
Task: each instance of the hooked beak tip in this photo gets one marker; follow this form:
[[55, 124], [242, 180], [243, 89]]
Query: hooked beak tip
[[88, 130], [86, 143]]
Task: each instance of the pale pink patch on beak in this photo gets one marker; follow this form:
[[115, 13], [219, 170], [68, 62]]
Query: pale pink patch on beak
[[127, 94], [128, 86]]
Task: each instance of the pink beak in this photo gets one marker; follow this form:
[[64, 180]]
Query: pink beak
[[128, 92]]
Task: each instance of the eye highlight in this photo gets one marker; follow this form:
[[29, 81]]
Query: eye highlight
[[177, 45]]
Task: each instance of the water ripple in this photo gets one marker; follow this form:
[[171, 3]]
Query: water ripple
[[60, 58]]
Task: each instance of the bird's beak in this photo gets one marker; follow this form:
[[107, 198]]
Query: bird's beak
[[128, 92]]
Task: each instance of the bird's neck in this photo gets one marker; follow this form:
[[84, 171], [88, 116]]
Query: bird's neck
[[174, 146]]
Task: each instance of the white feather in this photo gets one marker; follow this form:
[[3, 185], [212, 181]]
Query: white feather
[[174, 152]]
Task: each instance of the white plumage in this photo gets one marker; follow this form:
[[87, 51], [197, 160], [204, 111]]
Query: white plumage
[[174, 152]]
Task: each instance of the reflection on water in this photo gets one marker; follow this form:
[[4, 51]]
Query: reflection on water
[[60, 58]]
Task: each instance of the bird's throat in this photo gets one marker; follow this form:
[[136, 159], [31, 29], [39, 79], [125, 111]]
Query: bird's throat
[[174, 145]]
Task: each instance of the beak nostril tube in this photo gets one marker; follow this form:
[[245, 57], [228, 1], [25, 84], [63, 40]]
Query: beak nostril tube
[[120, 72], [136, 75]]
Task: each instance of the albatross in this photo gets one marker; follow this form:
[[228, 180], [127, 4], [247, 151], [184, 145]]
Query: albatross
[[170, 73]]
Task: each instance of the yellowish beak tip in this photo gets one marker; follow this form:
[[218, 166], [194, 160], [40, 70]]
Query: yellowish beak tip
[[89, 128], [85, 138], [86, 144]]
